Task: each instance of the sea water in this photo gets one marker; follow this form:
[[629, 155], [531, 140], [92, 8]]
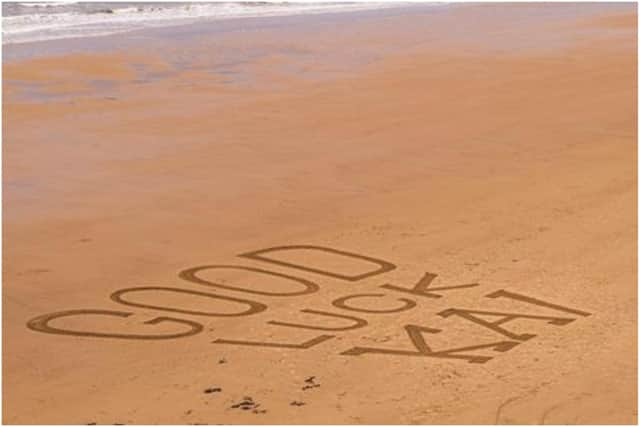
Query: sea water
[[37, 21]]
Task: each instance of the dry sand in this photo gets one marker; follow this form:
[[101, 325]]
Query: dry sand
[[486, 145]]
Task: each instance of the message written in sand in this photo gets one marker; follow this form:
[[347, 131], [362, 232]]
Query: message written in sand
[[347, 307]]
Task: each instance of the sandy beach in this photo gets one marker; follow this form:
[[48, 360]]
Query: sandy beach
[[413, 215]]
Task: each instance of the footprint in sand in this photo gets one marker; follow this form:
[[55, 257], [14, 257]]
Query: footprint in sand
[[248, 404], [310, 383]]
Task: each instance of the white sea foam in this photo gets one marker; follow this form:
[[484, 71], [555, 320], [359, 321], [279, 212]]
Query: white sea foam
[[46, 3], [35, 21]]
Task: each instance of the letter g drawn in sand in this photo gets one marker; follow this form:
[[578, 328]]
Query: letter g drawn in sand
[[41, 324]]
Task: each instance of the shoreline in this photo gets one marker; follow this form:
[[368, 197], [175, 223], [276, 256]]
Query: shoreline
[[94, 22], [193, 29], [184, 33]]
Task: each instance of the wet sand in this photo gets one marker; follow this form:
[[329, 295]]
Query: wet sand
[[444, 173]]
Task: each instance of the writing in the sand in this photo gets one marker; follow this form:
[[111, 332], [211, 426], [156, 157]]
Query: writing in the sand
[[348, 312]]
